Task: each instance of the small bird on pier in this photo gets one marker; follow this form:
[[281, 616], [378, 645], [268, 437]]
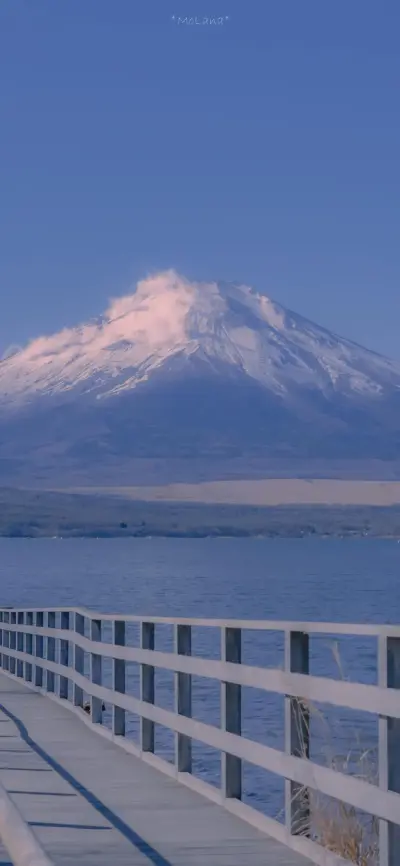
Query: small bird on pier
[[86, 707]]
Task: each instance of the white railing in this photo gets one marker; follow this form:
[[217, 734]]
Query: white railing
[[49, 648]]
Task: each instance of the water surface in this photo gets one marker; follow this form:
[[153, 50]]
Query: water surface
[[352, 580]]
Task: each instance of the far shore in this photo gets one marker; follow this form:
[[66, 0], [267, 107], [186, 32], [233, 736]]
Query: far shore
[[260, 492], [38, 514]]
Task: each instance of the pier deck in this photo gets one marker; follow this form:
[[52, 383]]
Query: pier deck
[[90, 803], [75, 787]]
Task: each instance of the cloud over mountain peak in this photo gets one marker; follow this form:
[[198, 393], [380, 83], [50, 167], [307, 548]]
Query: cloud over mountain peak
[[228, 324]]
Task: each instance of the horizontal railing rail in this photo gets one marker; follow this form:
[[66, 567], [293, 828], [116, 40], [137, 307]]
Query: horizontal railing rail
[[308, 627], [48, 648], [355, 696]]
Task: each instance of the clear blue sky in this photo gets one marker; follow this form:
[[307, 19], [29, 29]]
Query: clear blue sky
[[266, 149]]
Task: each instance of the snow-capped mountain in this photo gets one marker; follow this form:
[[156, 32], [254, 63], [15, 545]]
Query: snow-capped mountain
[[170, 317], [183, 368]]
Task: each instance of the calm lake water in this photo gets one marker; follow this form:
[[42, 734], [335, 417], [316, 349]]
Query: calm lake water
[[353, 580], [305, 579]]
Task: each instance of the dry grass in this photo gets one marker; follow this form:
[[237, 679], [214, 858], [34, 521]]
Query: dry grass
[[335, 825], [339, 829]]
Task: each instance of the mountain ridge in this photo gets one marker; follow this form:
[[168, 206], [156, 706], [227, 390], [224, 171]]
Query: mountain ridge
[[169, 315], [182, 369]]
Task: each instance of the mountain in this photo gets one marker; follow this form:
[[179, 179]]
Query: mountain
[[182, 369]]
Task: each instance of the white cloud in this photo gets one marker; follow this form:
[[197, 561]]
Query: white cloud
[[10, 351]]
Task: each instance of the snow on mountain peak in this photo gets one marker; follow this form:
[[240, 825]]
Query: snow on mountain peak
[[169, 315], [166, 307], [155, 314]]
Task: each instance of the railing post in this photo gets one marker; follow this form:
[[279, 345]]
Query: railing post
[[20, 643], [297, 734], [389, 748], [29, 647], [39, 645], [6, 642], [231, 714], [119, 679], [79, 659], [13, 642], [1, 638], [64, 656], [147, 687], [183, 699], [96, 672], [51, 652]]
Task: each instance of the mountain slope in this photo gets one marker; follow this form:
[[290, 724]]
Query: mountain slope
[[169, 317], [181, 368]]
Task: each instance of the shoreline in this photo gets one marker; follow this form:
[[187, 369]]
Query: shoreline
[[43, 514], [199, 536]]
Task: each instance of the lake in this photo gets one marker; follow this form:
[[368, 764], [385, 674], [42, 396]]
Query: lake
[[300, 579], [344, 580]]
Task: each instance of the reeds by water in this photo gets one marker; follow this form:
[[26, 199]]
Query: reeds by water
[[333, 824]]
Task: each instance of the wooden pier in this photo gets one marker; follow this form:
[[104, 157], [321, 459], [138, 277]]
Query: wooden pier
[[73, 790]]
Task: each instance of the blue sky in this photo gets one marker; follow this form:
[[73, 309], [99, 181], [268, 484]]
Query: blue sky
[[265, 149]]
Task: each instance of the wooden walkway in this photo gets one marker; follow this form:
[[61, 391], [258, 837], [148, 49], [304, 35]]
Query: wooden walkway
[[89, 802]]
